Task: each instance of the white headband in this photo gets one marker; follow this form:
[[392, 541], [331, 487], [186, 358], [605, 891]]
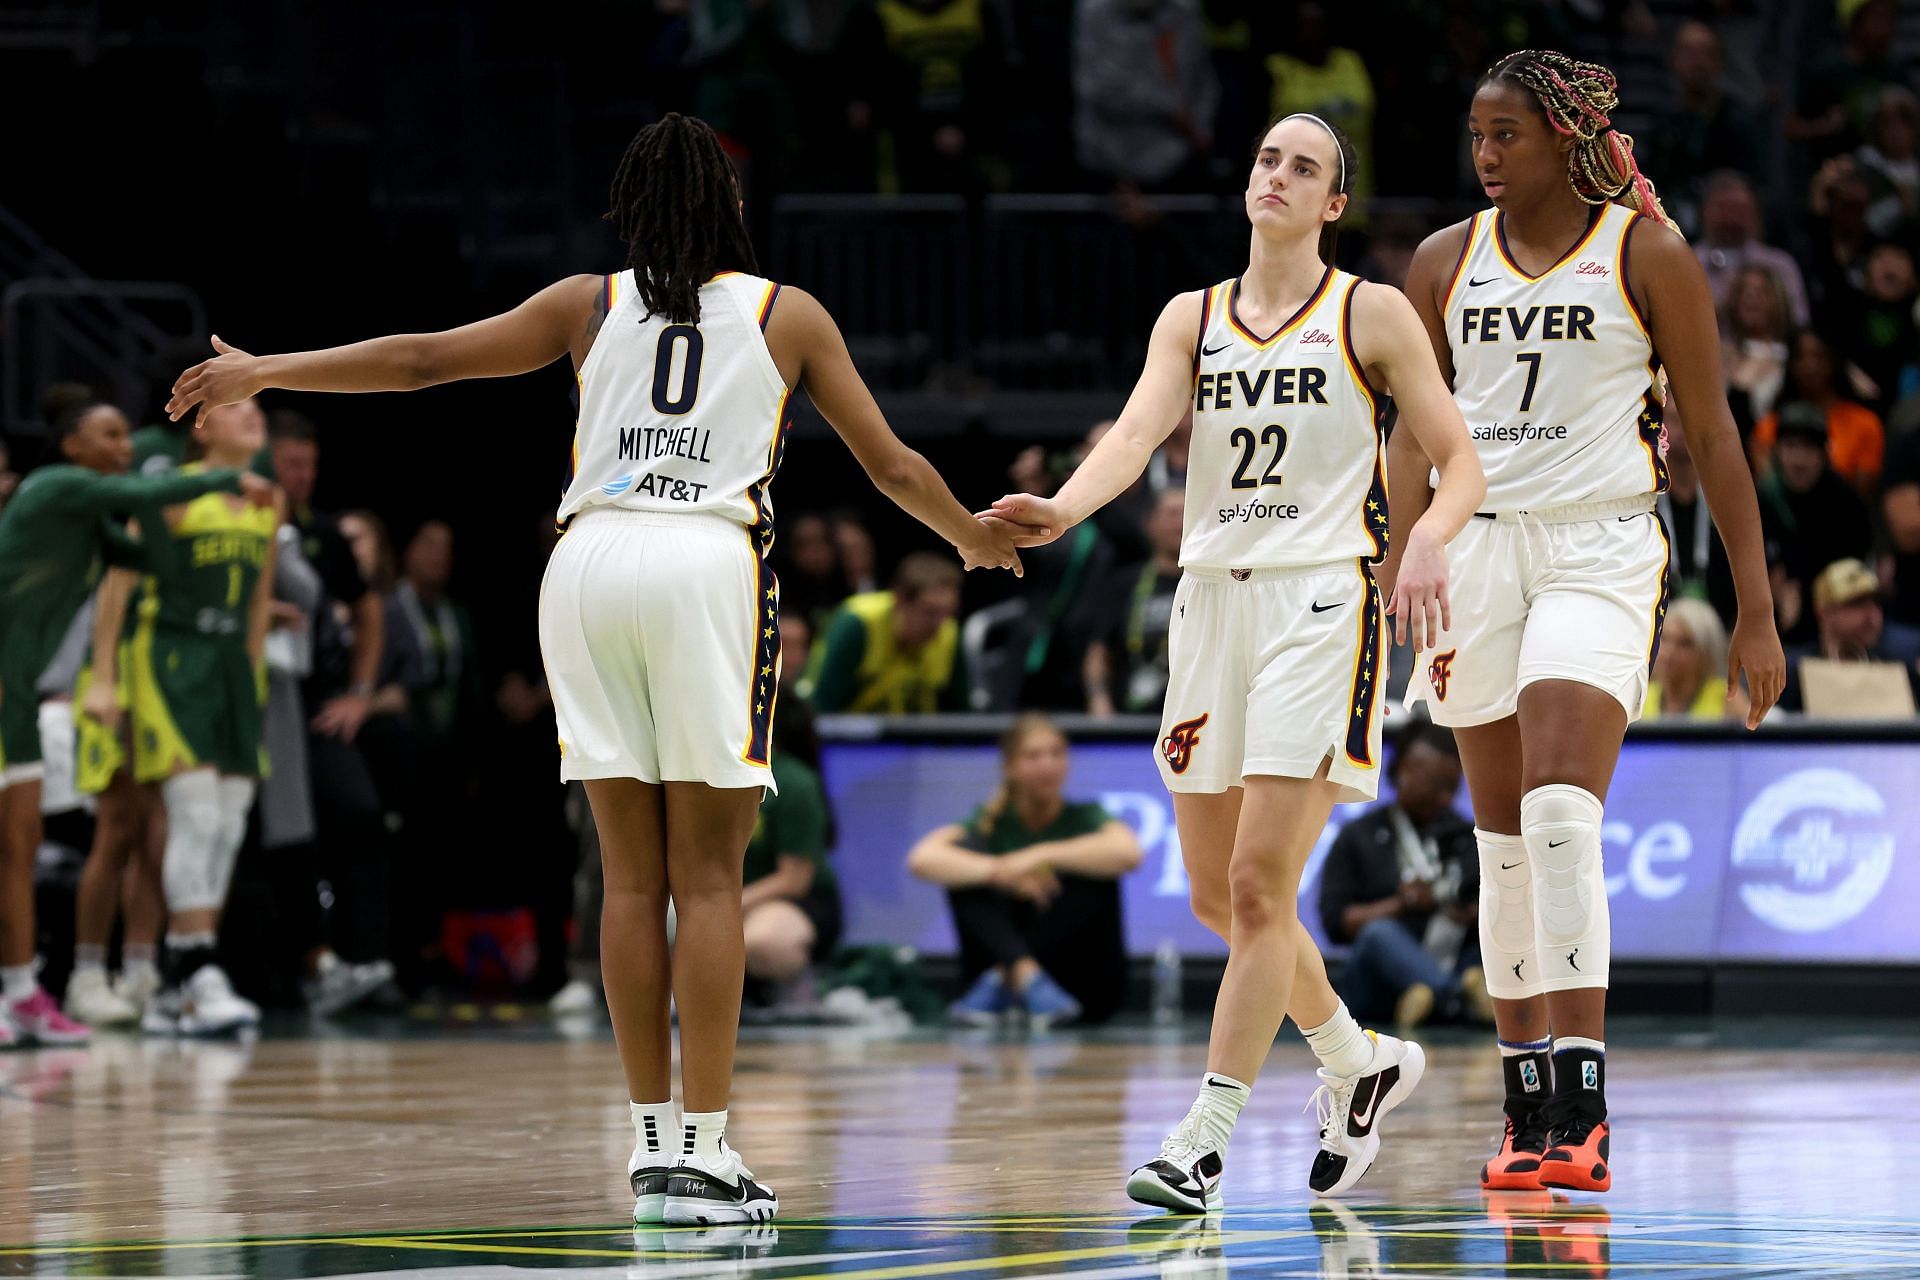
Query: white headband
[[1337, 148]]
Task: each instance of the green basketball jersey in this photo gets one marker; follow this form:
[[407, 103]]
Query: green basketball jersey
[[218, 552]]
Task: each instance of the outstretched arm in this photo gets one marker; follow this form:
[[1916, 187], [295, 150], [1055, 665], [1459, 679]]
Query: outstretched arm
[[1679, 306], [810, 351], [1393, 345], [531, 336], [1407, 463], [1153, 410]]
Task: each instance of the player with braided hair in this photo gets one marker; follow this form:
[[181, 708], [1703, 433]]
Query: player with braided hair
[[1573, 322], [658, 615]]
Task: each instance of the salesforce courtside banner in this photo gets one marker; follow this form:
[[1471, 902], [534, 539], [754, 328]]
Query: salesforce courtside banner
[[1714, 850]]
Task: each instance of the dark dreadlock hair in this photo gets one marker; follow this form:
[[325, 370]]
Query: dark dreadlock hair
[[1578, 99], [676, 204], [1346, 172]]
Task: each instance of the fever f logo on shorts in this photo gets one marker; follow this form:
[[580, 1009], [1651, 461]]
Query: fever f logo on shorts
[[1180, 742], [1438, 672]]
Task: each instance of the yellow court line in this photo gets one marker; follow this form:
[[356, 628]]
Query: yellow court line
[[961, 1266]]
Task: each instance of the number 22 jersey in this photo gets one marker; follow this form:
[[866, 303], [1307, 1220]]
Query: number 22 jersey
[[1555, 373], [681, 417], [1286, 468]]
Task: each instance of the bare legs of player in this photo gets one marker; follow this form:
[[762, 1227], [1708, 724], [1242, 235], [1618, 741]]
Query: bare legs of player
[[1572, 734], [688, 841], [1207, 826], [1277, 823], [111, 877], [19, 840]]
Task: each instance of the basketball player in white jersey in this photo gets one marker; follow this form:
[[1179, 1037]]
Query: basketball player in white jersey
[[659, 616], [1273, 712], [1554, 314]]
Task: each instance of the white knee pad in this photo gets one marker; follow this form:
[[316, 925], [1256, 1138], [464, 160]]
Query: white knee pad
[[236, 802], [193, 841], [1507, 949], [1561, 825]]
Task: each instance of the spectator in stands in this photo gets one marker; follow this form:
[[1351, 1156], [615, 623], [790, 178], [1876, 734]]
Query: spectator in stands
[[1126, 669], [347, 947], [1812, 517], [791, 902], [400, 657], [1900, 506], [1697, 564], [1890, 166], [1730, 239], [859, 566], [1837, 92], [1876, 331], [1065, 597], [894, 652], [1852, 630], [1700, 130], [1755, 323], [1144, 93], [1856, 441], [1690, 669], [1033, 881], [1400, 886], [924, 75], [1311, 74], [1837, 202], [796, 651], [812, 581]]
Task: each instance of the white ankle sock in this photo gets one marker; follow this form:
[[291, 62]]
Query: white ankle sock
[[702, 1133], [89, 957], [17, 982], [656, 1128], [1221, 1098], [138, 955], [1342, 1047]]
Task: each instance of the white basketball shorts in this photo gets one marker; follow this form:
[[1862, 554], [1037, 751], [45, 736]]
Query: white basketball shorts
[[661, 637], [1274, 671], [1574, 593]]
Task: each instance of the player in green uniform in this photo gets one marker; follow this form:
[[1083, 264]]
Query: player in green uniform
[[54, 535], [196, 687]]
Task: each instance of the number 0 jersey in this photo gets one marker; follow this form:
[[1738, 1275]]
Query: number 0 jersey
[[1286, 466], [681, 417], [1555, 373]]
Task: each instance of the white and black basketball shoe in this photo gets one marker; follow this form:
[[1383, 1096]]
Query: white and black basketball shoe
[[1186, 1177], [647, 1174], [1350, 1109], [707, 1192]]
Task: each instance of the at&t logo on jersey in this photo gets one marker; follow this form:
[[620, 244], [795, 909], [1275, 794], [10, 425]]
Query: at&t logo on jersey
[[1180, 742], [1807, 854], [1440, 671]]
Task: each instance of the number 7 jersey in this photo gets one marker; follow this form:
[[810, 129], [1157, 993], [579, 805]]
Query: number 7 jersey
[[1286, 468], [1555, 373], [681, 417]]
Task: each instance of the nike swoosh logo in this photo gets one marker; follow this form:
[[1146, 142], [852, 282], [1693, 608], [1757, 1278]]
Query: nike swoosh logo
[[1475, 284], [1214, 351], [1508, 866], [1322, 608], [1360, 1119], [1555, 844]]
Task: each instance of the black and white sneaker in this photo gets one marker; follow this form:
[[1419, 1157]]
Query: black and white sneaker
[[705, 1192], [1350, 1110], [647, 1174], [1186, 1177]]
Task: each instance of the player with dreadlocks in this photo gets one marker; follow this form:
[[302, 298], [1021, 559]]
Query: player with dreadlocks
[[1556, 313], [659, 616]]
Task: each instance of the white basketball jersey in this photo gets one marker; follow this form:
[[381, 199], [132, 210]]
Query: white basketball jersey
[[1555, 373], [681, 417], [1286, 467]]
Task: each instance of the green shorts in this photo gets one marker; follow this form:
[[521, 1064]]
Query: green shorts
[[19, 713], [196, 704]]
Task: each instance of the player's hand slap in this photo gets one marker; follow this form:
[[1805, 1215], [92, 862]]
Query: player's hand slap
[[231, 376], [1034, 521], [1755, 649], [1420, 593]]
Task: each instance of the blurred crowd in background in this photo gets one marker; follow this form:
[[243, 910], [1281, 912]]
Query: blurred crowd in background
[[1792, 165]]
